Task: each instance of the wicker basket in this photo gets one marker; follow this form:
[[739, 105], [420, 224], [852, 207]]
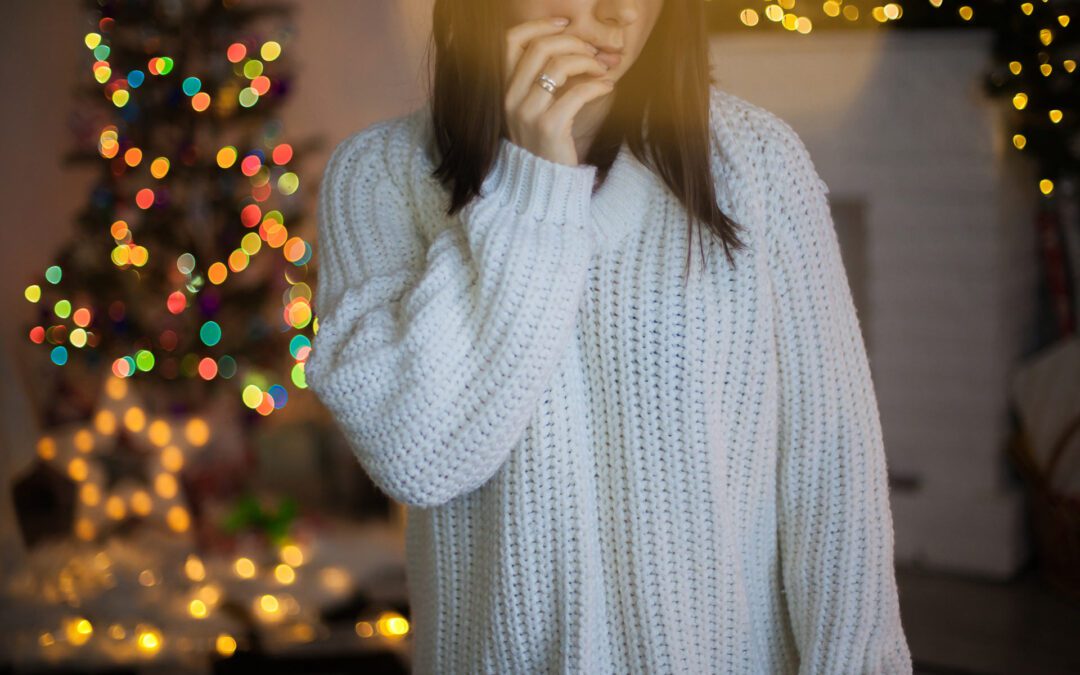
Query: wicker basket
[[1055, 516]]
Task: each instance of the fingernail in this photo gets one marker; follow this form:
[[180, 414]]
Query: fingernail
[[560, 21]]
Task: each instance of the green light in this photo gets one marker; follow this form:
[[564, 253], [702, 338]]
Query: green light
[[210, 333], [144, 360]]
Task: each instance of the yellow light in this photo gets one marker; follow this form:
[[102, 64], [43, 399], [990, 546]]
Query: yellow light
[[1046, 186], [210, 594], [749, 17], [78, 631], [1020, 101], [1015, 67], [1046, 36], [105, 422], [292, 555], [1055, 116], [1046, 69], [172, 459], [284, 574], [244, 567], [178, 519], [159, 167], [1019, 141], [159, 433], [116, 388], [194, 568], [302, 632], [966, 13], [197, 432], [269, 603], [364, 629], [397, 625], [84, 440], [84, 529], [1063, 19], [46, 448], [197, 608], [165, 485], [1027, 8], [392, 624], [149, 641], [1069, 64], [225, 644], [141, 502], [335, 579], [90, 494], [114, 507], [134, 419], [78, 469]]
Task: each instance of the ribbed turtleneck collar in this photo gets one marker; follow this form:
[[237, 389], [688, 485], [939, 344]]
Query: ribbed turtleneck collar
[[619, 204]]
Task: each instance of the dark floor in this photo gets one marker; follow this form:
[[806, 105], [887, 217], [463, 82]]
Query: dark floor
[[960, 626]]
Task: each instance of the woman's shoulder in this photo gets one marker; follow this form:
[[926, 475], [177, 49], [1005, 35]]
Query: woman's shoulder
[[765, 144], [388, 145]]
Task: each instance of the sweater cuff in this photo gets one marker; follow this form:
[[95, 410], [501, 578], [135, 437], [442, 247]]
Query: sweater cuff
[[537, 187]]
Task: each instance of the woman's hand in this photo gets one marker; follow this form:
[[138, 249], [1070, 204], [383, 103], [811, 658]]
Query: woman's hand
[[540, 121]]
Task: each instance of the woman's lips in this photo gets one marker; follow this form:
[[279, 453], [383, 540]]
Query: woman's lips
[[610, 59]]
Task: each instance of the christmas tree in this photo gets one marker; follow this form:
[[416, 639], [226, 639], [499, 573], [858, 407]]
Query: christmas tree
[[186, 272], [184, 287]]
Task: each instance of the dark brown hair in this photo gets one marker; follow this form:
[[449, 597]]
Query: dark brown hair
[[668, 85]]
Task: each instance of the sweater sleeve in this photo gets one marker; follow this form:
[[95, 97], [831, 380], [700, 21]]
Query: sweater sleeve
[[836, 535], [432, 356]]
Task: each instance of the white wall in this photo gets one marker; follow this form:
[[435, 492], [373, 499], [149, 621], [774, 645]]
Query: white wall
[[897, 123]]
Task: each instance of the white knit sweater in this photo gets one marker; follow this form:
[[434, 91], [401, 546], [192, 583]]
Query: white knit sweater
[[607, 472]]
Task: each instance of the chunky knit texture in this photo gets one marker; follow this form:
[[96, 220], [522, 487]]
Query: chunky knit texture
[[606, 471]]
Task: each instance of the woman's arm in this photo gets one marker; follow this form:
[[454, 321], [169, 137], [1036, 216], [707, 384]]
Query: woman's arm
[[432, 358], [836, 535]]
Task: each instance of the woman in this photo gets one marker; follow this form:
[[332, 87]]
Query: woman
[[609, 466]]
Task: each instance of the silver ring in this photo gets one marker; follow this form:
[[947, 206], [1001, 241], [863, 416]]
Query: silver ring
[[547, 83]]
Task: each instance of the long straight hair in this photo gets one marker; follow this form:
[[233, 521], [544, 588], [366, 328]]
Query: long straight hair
[[661, 108]]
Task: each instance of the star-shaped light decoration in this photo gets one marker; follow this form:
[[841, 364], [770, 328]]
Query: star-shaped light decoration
[[125, 464]]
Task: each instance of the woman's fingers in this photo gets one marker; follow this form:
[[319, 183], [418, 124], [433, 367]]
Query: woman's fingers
[[536, 99], [536, 57], [536, 119], [519, 36]]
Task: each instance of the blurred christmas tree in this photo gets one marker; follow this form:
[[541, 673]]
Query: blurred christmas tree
[[185, 272], [182, 296]]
